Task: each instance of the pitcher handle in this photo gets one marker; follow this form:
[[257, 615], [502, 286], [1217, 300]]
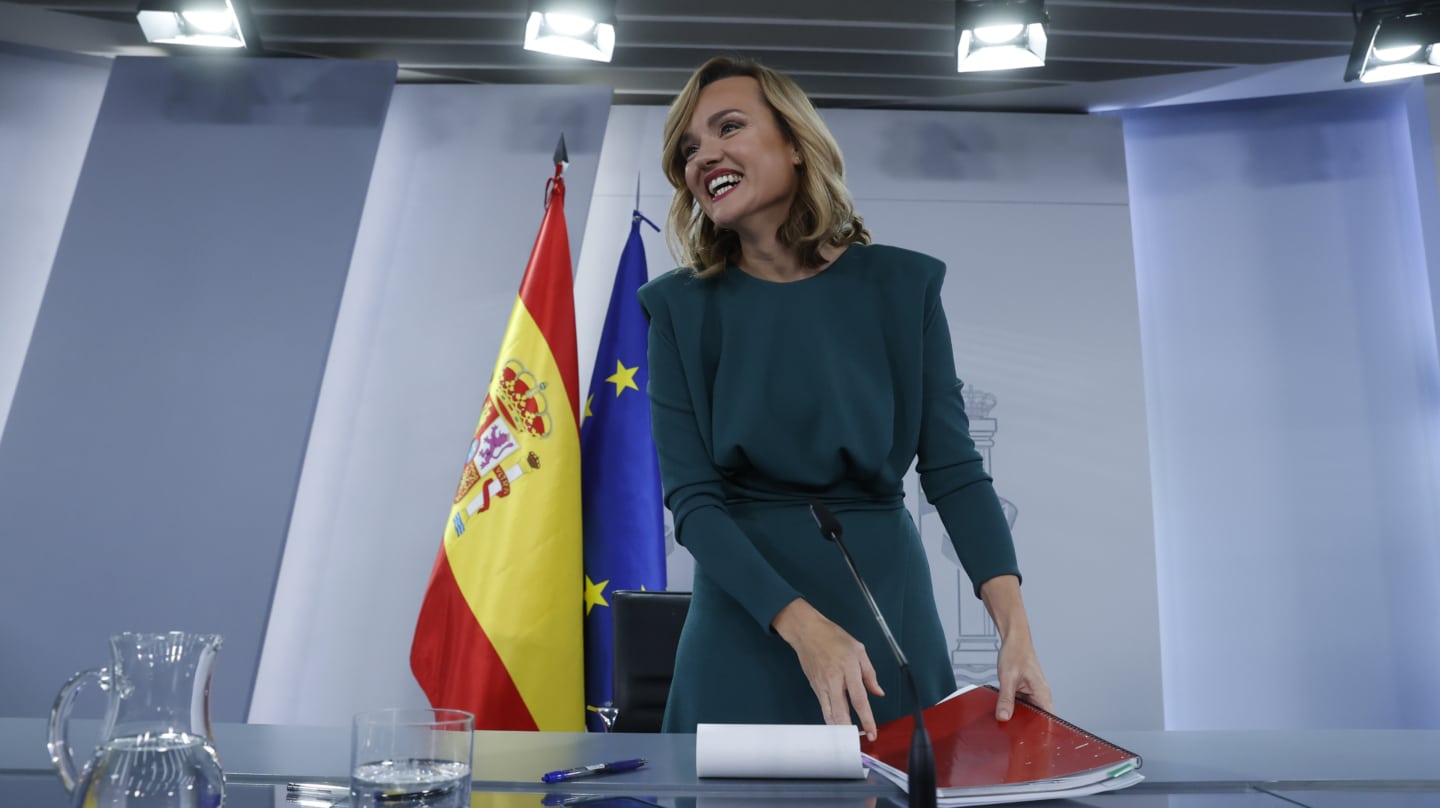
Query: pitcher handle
[[59, 744]]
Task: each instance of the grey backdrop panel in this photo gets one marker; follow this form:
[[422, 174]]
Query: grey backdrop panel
[[149, 464]]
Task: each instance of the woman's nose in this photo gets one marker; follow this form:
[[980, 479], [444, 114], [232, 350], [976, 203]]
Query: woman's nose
[[706, 154]]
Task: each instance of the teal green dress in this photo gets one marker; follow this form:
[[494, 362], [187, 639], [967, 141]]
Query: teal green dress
[[765, 395]]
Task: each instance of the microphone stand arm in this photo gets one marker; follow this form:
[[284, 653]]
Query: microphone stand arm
[[921, 776], [874, 609]]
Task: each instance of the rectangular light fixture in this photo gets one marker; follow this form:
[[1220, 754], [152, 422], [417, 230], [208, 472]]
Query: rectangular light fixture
[[580, 29], [204, 23], [1395, 41], [1000, 34]]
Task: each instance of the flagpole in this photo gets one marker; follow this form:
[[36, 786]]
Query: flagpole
[[562, 157], [636, 215]]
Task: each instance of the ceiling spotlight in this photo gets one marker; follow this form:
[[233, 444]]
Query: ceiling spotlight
[[581, 29], [1395, 41], [1000, 34], [203, 23]]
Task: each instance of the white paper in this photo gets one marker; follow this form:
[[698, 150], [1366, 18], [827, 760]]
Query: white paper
[[778, 750], [1113, 784], [965, 689]]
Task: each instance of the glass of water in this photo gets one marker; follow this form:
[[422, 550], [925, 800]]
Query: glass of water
[[411, 758]]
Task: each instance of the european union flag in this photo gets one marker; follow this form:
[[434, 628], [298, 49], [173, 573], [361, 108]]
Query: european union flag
[[620, 475]]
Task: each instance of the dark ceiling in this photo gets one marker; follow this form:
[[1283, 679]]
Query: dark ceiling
[[845, 53]]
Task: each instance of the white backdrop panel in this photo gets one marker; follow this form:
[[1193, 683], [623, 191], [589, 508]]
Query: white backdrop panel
[[453, 209], [1424, 115], [1291, 378], [48, 105]]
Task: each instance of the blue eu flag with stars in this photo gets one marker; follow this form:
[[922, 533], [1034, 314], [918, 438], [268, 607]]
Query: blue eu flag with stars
[[620, 475]]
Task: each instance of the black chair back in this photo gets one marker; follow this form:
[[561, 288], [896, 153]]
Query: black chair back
[[647, 631]]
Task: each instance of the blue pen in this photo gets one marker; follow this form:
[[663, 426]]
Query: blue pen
[[593, 769]]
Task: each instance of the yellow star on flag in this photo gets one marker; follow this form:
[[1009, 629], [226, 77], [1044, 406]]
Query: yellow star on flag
[[588, 400], [623, 378], [594, 594]]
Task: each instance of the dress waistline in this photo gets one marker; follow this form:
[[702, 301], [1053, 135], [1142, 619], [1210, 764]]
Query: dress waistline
[[735, 501]]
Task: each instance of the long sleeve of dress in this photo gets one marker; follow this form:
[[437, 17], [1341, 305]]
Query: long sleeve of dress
[[952, 471], [693, 488]]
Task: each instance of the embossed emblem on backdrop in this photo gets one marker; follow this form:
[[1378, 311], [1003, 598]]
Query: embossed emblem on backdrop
[[976, 639]]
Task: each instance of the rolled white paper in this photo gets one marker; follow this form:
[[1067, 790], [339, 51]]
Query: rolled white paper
[[778, 750]]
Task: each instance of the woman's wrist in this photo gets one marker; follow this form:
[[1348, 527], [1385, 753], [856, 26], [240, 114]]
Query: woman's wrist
[[788, 621], [1002, 599]]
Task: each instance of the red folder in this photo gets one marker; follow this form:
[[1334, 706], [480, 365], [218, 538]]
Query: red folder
[[976, 754]]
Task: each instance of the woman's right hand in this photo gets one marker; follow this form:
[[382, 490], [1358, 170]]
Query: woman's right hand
[[836, 664]]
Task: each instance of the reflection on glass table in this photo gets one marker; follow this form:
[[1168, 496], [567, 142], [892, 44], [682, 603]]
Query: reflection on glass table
[[1392, 798], [1134, 799], [43, 790], [1230, 799]]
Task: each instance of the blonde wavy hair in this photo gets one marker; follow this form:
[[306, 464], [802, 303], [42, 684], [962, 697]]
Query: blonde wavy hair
[[823, 212]]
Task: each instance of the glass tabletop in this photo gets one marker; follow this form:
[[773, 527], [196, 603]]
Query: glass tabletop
[[1398, 797], [35, 790]]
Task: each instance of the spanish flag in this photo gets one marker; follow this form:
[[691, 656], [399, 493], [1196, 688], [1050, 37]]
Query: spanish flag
[[500, 630]]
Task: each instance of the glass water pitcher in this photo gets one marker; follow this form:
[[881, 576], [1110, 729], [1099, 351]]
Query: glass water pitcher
[[156, 749]]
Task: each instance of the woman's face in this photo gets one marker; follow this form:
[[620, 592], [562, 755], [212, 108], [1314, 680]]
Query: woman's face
[[738, 163]]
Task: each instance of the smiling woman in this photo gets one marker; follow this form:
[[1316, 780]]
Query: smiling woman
[[791, 360], [737, 123], [732, 133]]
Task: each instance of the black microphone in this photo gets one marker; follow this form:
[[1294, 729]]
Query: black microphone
[[922, 755]]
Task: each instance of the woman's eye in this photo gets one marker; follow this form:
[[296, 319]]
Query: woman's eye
[[728, 127], [689, 151]]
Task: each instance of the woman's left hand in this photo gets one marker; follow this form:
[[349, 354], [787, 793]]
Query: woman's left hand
[[1020, 676]]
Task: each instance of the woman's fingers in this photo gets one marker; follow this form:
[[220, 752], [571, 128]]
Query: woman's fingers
[[1005, 704], [872, 682], [831, 707], [855, 683], [1037, 692], [1020, 676]]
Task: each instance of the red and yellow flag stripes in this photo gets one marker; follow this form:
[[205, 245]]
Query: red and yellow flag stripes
[[500, 631]]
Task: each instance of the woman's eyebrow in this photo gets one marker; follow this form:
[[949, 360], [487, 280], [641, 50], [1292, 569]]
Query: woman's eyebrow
[[688, 138], [710, 121]]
